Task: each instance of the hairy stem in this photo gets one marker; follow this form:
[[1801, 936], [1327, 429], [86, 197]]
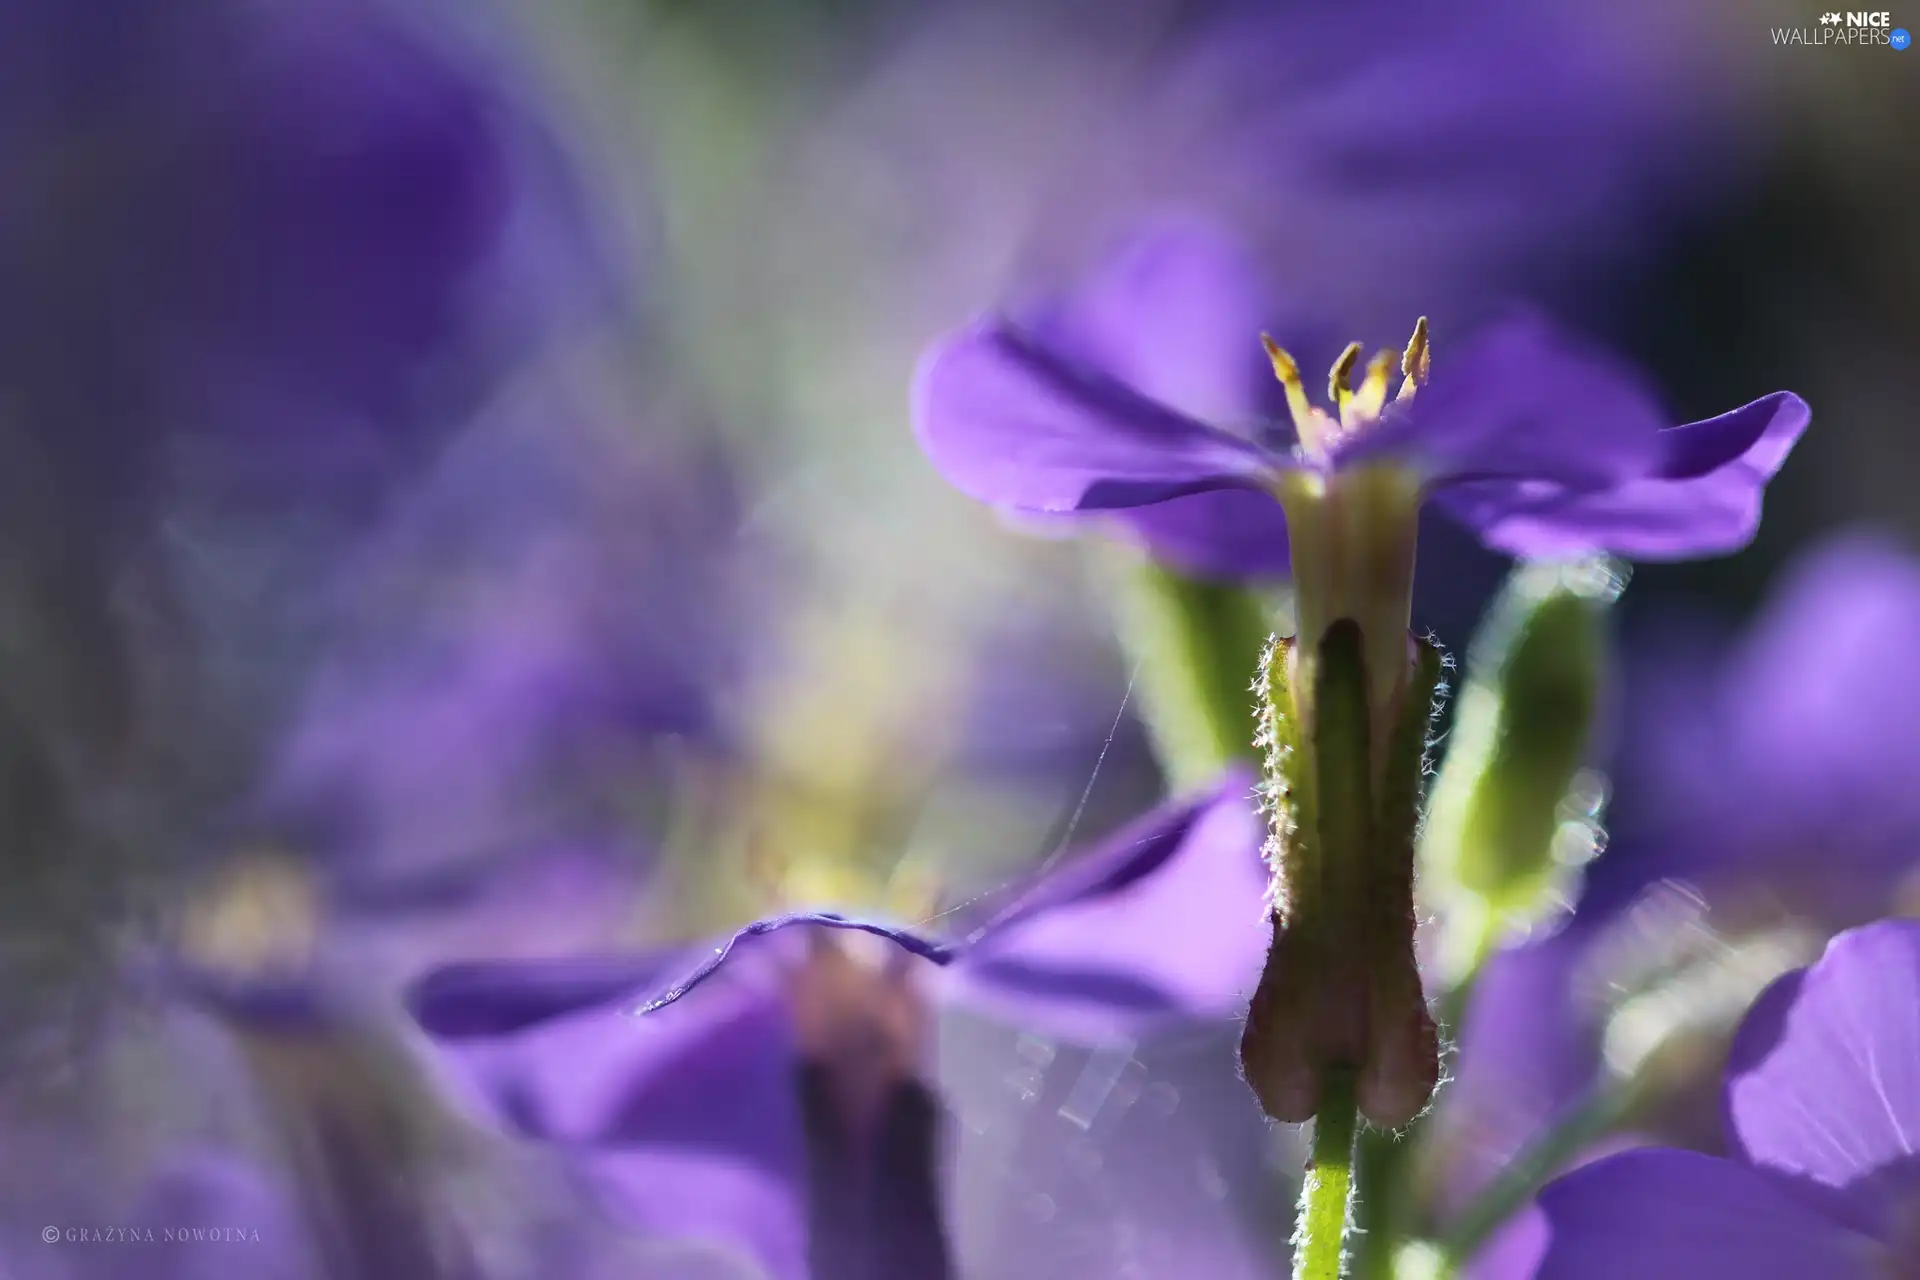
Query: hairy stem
[[1320, 1242]]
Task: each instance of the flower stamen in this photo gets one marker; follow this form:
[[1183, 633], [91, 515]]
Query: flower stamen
[[1371, 395], [1311, 423], [1354, 406], [1416, 364], [1340, 379]]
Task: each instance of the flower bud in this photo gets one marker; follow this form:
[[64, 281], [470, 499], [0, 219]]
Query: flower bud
[[1520, 736]]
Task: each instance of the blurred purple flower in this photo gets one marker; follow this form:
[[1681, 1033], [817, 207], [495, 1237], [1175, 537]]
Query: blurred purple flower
[[1388, 159], [543, 629], [1542, 447], [689, 1114], [196, 1213], [1822, 1109], [288, 231], [1441, 159], [1802, 738]]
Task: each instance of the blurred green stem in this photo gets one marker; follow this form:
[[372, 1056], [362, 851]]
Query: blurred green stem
[[1378, 1173], [1527, 1172], [1197, 645], [1329, 1185]]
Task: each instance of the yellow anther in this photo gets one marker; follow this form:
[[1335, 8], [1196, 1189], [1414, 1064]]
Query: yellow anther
[[1340, 379], [1371, 394], [1417, 361], [1289, 375]]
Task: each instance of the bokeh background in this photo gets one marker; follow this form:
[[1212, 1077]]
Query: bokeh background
[[457, 499]]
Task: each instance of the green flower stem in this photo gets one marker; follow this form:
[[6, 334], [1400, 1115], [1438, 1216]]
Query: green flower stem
[[1379, 1201], [1198, 646], [1508, 1193], [1320, 1245]]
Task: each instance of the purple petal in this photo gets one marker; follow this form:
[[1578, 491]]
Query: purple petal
[[1223, 534], [1167, 921], [1844, 622], [713, 1210], [1515, 1251], [1010, 422], [549, 1050], [479, 1000], [1703, 499], [1529, 1050], [1227, 534], [205, 1187], [1660, 1214], [1176, 315], [1729, 795], [751, 938], [1520, 402], [1823, 1079], [1755, 439]]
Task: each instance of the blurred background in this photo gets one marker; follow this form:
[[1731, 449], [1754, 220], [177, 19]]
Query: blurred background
[[457, 499]]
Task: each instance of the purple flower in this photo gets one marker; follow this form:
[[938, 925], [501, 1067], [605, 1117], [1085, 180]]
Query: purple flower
[[687, 1119], [1801, 736], [1542, 447], [1822, 1112], [1539, 446], [1443, 156], [293, 233]]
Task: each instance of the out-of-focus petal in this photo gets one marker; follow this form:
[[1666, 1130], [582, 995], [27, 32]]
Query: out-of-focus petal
[[552, 1051], [1660, 1214], [708, 1216], [1176, 314], [1009, 422], [1228, 534], [1845, 624], [1823, 1079], [1528, 1052], [1166, 921], [1515, 1250], [478, 1000]]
